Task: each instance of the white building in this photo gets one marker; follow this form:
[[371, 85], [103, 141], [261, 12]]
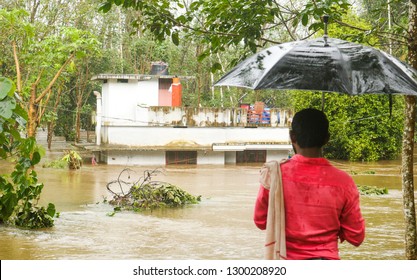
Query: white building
[[137, 125]]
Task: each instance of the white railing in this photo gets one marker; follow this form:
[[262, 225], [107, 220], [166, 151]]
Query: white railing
[[212, 117]]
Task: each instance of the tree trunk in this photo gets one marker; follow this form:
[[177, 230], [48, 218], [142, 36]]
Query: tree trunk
[[199, 74], [50, 133], [32, 113], [77, 125], [51, 124], [407, 177], [18, 73], [408, 146], [34, 116]]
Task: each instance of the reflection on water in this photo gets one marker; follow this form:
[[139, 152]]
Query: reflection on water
[[220, 227]]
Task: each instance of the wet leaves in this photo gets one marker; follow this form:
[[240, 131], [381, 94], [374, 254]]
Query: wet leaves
[[19, 191], [147, 194], [372, 190]]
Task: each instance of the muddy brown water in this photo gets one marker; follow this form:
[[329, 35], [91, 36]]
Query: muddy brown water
[[219, 228]]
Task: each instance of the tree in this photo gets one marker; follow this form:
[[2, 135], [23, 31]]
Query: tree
[[45, 60], [220, 24], [398, 25], [408, 144], [19, 191]]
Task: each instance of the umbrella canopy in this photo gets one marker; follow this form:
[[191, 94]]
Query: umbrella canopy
[[324, 64]]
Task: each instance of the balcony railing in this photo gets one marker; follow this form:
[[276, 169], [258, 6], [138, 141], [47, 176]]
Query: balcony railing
[[215, 117]]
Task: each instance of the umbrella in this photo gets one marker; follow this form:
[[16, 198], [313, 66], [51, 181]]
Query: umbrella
[[324, 64]]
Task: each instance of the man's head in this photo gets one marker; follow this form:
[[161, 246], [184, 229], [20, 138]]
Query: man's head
[[310, 129]]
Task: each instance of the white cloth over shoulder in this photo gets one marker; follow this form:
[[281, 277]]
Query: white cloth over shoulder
[[275, 242]]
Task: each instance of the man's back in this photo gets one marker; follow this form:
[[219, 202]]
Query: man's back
[[321, 204]]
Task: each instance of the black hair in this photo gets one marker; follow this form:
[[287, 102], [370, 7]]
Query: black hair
[[311, 128]]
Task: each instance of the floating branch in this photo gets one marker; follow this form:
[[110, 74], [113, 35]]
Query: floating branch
[[146, 193], [372, 190]]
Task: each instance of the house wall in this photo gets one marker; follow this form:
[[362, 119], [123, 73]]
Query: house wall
[[164, 96], [104, 112], [148, 93], [133, 118], [135, 157], [158, 158], [276, 155], [229, 157], [194, 136], [149, 158], [121, 99], [210, 157]]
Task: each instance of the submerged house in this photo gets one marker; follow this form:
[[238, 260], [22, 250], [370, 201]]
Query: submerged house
[[141, 121]]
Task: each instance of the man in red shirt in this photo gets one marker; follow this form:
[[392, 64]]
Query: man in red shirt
[[321, 201]]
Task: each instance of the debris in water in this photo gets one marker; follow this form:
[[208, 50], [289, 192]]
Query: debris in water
[[145, 193], [372, 190]]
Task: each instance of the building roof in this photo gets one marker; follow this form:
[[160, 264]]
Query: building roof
[[139, 77]]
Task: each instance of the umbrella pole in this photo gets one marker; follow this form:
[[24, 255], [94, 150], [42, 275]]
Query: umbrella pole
[[408, 178], [325, 21]]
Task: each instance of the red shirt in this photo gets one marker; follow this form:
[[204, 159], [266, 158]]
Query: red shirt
[[321, 206]]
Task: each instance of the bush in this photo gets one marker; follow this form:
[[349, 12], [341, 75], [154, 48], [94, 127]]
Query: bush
[[20, 190]]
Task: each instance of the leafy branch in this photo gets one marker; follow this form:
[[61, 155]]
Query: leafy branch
[[146, 193]]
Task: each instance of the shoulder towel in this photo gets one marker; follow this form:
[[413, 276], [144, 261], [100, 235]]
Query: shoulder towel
[[271, 179]]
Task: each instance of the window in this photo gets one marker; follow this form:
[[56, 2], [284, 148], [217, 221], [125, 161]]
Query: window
[[251, 156], [181, 157]]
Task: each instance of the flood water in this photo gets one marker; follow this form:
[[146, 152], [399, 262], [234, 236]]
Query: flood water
[[218, 228]]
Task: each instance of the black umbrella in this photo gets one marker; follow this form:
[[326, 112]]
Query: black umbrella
[[324, 64]]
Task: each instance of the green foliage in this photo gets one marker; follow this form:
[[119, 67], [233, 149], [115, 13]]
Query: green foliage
[[11, 115], [14, 24], [389, 24], [150, 197], [57, 164], [73, 159], [20, 191], [147, 197], [43, 47], [361, 127], [7, 101], [313, 10], [372, 190], [246, 24], [146, 194], [345, 32]]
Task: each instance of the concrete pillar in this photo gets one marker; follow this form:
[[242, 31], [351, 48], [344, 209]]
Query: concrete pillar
[[98, 118]]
